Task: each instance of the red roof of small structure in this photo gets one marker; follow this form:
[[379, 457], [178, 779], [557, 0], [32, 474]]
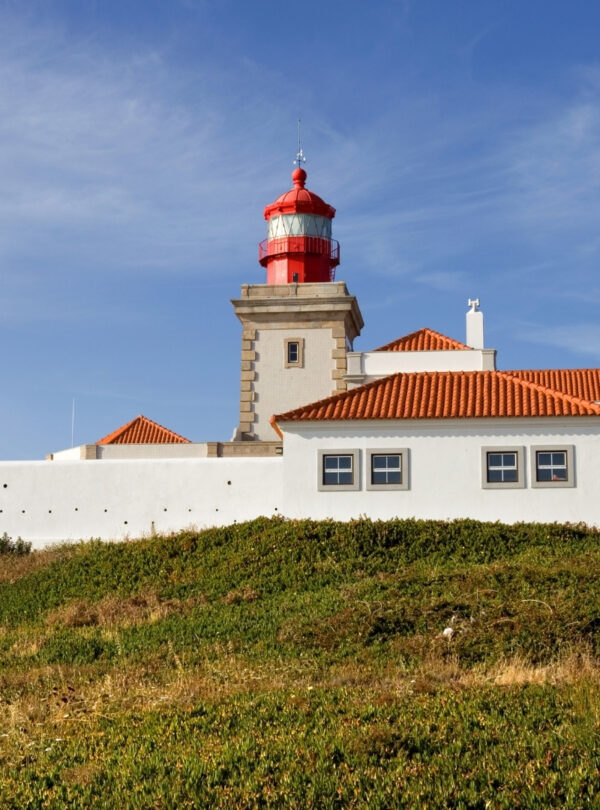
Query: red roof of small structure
[[142, 430], [299, 200], [423, 340], [445, 395]]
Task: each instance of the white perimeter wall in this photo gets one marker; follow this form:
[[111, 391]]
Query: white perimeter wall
[[46, 501], [445, 471]]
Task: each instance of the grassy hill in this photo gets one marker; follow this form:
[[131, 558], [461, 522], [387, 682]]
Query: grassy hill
[[305, 664]]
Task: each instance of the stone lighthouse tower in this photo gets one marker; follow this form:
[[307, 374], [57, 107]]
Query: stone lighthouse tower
[[296, 328]]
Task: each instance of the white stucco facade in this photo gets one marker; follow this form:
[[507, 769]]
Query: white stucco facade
[[444, 469], [364, 367], [47, 501]]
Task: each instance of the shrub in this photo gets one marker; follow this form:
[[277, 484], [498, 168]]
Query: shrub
[[9, 546]]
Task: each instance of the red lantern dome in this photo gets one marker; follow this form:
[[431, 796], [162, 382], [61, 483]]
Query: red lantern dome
[[299, 247]]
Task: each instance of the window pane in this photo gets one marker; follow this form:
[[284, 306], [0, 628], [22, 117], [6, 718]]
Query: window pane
[[386, 469], [292, 352], [502, 467], [552, 466], [337, 470]]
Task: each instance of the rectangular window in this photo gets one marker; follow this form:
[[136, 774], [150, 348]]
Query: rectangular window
[[338, 470], [552, 466], [502, 467], [293, 352], [387, 469]]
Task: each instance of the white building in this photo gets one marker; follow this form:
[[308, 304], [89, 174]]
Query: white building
[[425, 426]]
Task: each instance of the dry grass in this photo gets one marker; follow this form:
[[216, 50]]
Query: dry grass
[[15, 567], [114, 611], [246, 594], [60, 697]]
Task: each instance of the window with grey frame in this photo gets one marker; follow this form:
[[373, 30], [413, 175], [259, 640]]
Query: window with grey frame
[[387, 468], [552, 466], [338, 470], [502, 467], [293, 353]]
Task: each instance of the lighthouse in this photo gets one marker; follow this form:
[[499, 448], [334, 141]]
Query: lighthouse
[[297, 327], [299, 247]]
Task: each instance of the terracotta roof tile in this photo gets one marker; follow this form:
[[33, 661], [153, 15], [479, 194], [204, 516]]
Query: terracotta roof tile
[[445, 395], [424, 340], [143, 431], [578, 382]]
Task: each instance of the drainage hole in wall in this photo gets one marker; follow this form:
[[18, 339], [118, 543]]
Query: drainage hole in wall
[[165, 509], [4, 485], [22, 511], [49, 511], [77, 509], [125, 521], [217, 509], [229, 483], [106, 510], [276, 509], [189, 510]]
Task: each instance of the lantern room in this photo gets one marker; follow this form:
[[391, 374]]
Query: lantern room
[[299, 247]]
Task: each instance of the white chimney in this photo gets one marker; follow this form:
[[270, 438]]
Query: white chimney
[[474, 325]]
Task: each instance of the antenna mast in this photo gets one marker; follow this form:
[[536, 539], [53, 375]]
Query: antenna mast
[[300, 159]]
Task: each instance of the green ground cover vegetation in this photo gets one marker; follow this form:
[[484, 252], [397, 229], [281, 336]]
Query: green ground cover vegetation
[[304, 664]]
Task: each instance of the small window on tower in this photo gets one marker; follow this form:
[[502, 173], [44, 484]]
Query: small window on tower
[[294, 352]]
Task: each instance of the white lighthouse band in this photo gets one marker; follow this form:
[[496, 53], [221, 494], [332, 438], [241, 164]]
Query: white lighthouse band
[[299, 225]]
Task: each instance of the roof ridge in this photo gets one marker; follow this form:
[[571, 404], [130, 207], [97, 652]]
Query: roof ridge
[[425, 330], [119, 431], [373, 400], [595, 407], [111, 438]]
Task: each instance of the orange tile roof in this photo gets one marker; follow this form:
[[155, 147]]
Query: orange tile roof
[[444, 395], [143, 431], [423, 340], [578, 382]]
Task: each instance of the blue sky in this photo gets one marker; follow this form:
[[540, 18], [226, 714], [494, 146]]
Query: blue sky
[[459, 141]]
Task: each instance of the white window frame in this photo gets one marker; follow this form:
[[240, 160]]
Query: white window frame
[[403, 453], [520, 455], [569, 451], [355, 485]]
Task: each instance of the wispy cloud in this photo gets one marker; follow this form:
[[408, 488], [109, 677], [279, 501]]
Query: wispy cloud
[[579, 338]]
